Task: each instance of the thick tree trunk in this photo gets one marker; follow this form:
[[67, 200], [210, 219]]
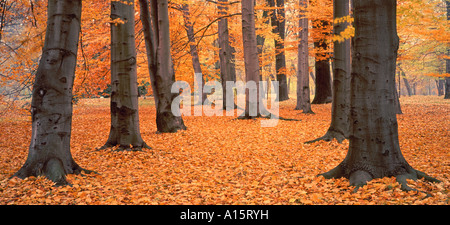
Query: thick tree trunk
[[303, 91], [194, 54], [251, 60], [124, 130], [374, 150], [226, 57], [166, 121], [51, 106], [279, 26]]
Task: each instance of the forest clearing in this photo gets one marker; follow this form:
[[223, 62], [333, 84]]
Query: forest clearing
[[220, 160]]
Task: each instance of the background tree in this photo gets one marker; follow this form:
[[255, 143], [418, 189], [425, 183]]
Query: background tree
[[303, 91], [278, 21], [322, 28], [194, 53], [51, 107], [124, 130], [166, 121], [340, 106], [374, 150], [226, 51], [250, 58]]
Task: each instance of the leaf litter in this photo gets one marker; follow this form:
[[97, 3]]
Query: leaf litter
[[218, 160]]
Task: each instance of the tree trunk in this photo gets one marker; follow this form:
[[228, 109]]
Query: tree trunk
[[323, 93], [194, 54], [260, 40], [447, 60], [374, 150], [447, 83], [340, 107], [251, 60], [166, 121], [51, 106], [279, 26], [226, 57], [440, 83], [303, 92], [408, 87], [124, 130], [150, 45]]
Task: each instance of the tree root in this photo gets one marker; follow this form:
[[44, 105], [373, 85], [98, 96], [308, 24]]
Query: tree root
[[329, 136], [270, 116], [121, 148], [53, 169], [360, 178]]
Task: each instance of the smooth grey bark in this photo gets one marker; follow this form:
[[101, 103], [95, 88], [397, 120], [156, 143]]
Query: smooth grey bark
[[303, 91], [374, 150], [124, 131], [340, 107], [226, 56], [166, 121], [251, 60], [51, 106], [279, 26], [150, 45], [162, 74], [202, 97]]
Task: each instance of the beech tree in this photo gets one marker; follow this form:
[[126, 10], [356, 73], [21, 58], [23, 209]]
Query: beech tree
[[278, 22], [194, 53], [251, 59], [321, 33], [340, 106], [162, 74], [226, 56], [124, 130], [374, 150], [51, 107], [303, 91]]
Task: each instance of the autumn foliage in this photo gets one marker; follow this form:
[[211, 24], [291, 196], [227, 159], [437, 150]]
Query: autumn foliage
[[220, 160]]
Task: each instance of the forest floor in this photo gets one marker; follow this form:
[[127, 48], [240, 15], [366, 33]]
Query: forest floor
[[219, 160]]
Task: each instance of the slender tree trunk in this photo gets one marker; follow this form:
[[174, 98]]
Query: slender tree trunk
[[226, 57], [279, 26], [397, 106], [150, 45], [194, 54], [166, 121], [447, 83], [51, 107], [408, 87], [303, 91], [340, 107], [374, 150], [260, 40], [250, 59], [124, 130]]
